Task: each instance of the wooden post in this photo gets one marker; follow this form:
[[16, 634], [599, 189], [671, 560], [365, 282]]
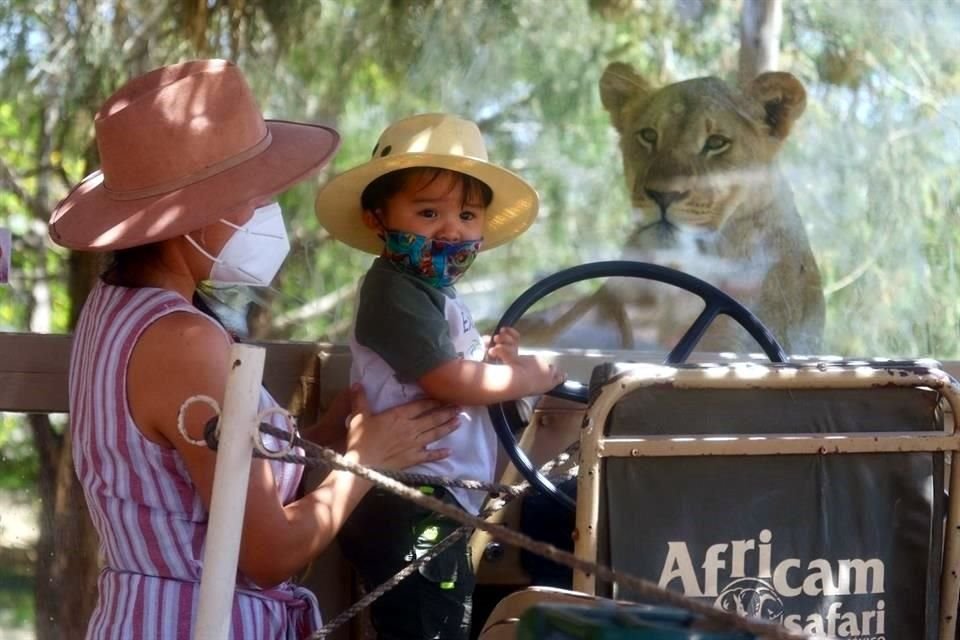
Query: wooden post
[[238, 427]]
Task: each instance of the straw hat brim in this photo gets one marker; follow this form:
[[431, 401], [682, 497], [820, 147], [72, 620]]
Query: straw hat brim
[[90, 219], [511, 212]]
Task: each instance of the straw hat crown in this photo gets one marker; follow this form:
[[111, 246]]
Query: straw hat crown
[[429, 134]]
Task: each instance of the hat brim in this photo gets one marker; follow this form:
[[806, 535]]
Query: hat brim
[[89, 219], [511, 212]]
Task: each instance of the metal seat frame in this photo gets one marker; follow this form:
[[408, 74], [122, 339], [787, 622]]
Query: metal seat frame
[[596, 446]]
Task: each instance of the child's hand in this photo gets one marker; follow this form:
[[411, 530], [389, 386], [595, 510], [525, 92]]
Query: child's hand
[[506, 346], [540, 374]]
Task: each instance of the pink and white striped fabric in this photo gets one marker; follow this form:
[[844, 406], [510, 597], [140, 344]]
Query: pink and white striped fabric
[[150, 519]]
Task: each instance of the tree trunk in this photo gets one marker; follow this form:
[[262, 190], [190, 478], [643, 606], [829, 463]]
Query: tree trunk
[[47, 592], [76, 563], [760, 24], [66, 567], [67, 558]]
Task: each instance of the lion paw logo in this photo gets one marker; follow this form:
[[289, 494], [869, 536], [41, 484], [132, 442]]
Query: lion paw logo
[[751, 597]]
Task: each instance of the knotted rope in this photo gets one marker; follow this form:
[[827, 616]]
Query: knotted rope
[[493, 506], [713, 619], [211, 434]]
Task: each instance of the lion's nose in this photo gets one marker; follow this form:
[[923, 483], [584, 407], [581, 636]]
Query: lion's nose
[[665, 198]]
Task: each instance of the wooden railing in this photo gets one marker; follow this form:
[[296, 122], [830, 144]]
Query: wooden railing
[[34, 368], [301, 375]]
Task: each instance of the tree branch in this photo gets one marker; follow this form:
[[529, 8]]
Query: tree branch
[[491, 121], [10, 182], [316, 307]]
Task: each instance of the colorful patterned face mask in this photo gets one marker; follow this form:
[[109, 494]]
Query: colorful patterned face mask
[[436, 262]]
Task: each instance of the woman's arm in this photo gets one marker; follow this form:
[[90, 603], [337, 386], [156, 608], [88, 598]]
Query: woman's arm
[[182, 355]]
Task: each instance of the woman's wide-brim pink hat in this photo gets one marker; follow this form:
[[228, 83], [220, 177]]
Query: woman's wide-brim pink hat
[[436, 140], [181, 147]]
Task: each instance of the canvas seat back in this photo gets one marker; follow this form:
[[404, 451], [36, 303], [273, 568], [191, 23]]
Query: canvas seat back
[[848, 546]]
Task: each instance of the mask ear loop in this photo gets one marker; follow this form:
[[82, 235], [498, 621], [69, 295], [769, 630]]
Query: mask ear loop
[[272, 208], [213, 259], [287, 447], [249, 232], [203, 251]]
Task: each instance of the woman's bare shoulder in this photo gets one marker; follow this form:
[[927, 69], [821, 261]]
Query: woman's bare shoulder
[[184, 334], [178, 356], [184, 342]]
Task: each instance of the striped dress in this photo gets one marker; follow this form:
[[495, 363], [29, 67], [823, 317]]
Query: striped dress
[[149, 517]]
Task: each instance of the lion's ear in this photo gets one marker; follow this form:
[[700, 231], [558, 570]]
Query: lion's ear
[[619, 84], [783, 98]]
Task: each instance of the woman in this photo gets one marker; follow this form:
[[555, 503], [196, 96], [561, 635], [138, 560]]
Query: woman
[[185, 194]]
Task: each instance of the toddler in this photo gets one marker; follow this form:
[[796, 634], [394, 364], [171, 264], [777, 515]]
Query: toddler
[[425, 204]]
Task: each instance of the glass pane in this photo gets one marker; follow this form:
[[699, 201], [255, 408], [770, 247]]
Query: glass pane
[[824, 197]]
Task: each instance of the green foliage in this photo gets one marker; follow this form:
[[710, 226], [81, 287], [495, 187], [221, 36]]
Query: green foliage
[[869, 160], [16, 601], [882, 89], [18, 461]]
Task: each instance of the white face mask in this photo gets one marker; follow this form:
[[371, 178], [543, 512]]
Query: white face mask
[[253, 255]]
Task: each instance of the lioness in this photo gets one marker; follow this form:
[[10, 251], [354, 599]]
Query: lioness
[[699, 158]]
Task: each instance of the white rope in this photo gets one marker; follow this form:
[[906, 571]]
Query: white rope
[[283, 450], [287, 446], [761, 628], [181, 415]]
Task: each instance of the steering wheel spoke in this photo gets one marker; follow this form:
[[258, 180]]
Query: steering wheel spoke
[[691, 338]]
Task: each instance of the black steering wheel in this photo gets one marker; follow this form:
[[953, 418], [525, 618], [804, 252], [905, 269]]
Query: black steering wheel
[[506, 418]]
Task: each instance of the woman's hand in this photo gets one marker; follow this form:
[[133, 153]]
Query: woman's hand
[[399, 437]]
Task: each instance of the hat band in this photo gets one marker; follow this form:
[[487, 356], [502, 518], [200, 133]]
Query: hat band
[[179, 183]]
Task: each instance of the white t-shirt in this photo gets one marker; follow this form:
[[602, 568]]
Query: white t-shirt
[[405, 328]]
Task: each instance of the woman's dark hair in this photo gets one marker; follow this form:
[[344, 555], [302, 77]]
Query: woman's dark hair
[[123, 267], [377, 193]]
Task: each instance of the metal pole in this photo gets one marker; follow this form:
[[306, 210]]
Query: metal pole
[[588, 501], [238, 426], [950, 578]]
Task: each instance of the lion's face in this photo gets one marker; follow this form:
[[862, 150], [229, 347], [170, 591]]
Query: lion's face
[[695, 151]]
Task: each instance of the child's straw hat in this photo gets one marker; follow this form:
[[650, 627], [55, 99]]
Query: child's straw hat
[[429, 140]]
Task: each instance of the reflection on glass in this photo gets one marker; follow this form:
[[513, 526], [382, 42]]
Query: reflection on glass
[[825, 199]]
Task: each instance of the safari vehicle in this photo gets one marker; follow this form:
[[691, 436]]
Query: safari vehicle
[[814, 492]]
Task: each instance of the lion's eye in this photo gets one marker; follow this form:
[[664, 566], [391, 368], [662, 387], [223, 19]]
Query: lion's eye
[[716, 143], [647, 137]]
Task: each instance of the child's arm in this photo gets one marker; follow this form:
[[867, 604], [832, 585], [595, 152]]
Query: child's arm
[[468, 382], [505, 345], [404, 323]]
